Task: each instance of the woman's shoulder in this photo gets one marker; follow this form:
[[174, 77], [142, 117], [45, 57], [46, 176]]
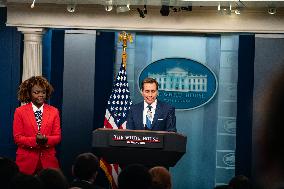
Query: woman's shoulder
[[50, 107], [24, 107]]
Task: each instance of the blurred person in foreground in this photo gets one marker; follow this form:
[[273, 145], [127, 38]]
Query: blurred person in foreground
[[270, 167], [134, 176], [53, 179], [161, 178], [8, 170]]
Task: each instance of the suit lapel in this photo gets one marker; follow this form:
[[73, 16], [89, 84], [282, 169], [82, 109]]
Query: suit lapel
[[31, 116], [140, 114], [157, 113], [45, 117]]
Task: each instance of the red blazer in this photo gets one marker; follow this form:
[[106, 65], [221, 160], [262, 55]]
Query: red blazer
[[25, 130]]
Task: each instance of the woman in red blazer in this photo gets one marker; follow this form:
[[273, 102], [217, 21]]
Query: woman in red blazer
[[36, 133]]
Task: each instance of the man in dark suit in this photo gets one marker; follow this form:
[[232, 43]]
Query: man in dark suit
[[151, 114]]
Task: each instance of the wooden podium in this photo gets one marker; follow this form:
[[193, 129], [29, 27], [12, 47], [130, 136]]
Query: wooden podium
[[149, 148]]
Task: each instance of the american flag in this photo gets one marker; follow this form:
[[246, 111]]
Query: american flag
[[115, 118]]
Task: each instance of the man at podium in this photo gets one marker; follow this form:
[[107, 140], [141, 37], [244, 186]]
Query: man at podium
[[151, 114], [147, 122]]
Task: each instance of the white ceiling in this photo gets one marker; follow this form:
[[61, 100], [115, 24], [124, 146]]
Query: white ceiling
[[178, 3]]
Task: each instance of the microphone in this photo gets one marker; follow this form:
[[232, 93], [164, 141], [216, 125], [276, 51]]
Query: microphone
[[33, 4]]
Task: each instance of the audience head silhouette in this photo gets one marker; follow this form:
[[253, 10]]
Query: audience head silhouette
[[22, 181], [240, 182], [134, 176], [86, 167], [53, 179], [8, 170], [161, 178]]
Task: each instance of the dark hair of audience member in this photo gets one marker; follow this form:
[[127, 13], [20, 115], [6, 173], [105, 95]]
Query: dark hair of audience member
[[161, 178], [239, 182], [8, 170], [134, 176], [86, 166], [22, 181], [53, 179]]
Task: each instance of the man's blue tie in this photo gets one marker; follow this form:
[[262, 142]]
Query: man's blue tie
[[38, 116], [149, 117]]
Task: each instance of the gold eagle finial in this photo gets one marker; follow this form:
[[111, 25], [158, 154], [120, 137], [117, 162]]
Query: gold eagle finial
[[124, 38]]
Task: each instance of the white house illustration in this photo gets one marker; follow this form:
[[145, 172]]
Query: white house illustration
[[178, 79]]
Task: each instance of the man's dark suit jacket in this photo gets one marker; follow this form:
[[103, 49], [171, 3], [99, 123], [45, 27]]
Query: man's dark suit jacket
[[164, 118]]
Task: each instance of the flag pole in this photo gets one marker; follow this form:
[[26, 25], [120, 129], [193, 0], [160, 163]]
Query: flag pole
[[118, 105], [124, 38]]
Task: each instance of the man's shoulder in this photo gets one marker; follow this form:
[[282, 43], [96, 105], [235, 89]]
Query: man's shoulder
[[137, 105], [164, 104]]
